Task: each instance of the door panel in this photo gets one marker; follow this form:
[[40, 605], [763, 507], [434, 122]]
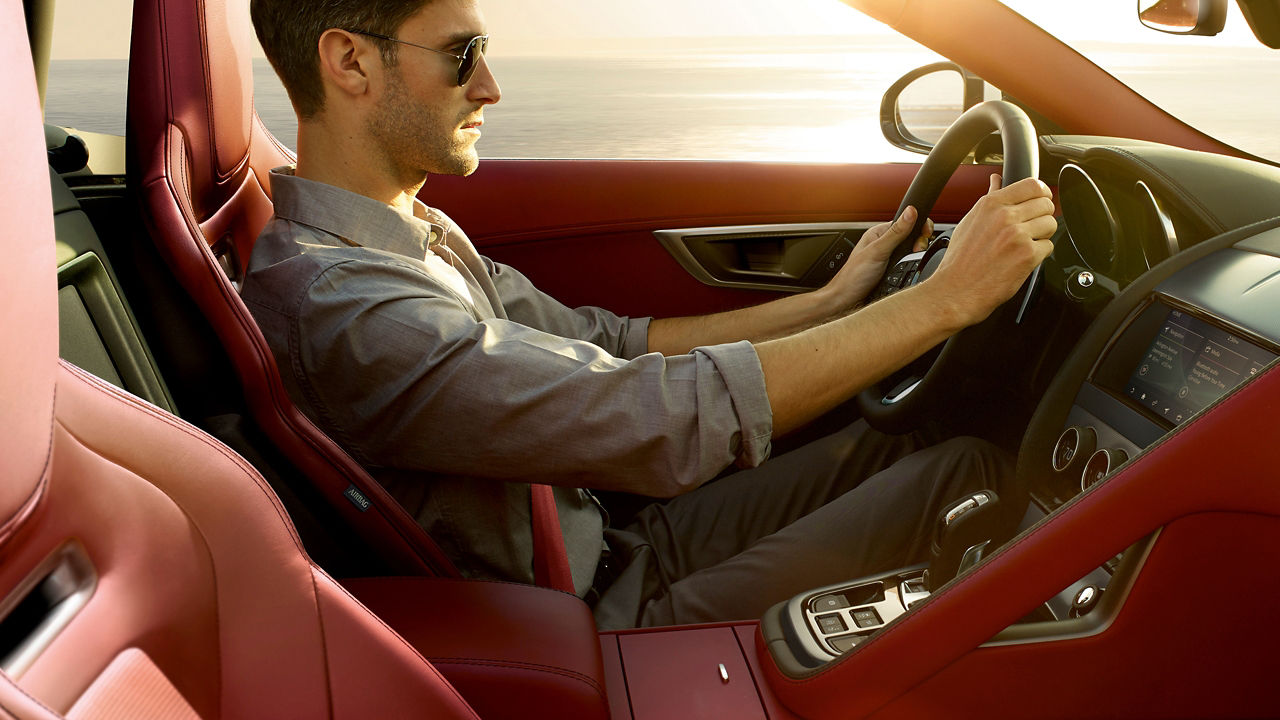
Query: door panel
[[583, 230]]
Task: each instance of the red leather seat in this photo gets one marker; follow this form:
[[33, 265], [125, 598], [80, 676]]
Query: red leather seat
[[200, 156], [145, 569]]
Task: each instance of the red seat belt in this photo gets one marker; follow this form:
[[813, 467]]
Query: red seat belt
[[550, 560]]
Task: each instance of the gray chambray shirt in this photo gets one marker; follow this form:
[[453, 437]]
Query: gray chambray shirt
[[456, 382]]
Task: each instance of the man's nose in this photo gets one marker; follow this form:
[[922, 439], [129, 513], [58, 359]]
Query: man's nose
[[483, 87]]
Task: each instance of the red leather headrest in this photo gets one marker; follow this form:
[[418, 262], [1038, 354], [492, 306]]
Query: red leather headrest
[[211, 104], [28, 287]]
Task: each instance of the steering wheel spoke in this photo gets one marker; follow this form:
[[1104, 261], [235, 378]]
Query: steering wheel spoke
[[901, 402]]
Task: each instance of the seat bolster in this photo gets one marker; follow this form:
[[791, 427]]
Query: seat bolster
[[405, 545], [17, 704], [372, 671], [254, 561], [29, 312], [513, 651]]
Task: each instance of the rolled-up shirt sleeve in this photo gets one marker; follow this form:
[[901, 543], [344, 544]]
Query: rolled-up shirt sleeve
[[417, 381]]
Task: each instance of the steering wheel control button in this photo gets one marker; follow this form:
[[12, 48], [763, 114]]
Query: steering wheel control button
[[1074, 446], [827, 603], [866, 617], [1100, 465], [831, 624]]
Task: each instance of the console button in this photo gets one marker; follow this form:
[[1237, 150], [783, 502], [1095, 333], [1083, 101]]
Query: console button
[[827, 603], [846, 643], [866, 617], [831, 624]]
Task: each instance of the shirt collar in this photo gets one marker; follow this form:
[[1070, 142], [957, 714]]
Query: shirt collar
[[354, 218]]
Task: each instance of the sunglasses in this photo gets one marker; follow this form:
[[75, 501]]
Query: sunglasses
[[467, 61]]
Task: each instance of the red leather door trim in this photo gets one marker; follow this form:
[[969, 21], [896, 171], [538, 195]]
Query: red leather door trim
[[582, 229]]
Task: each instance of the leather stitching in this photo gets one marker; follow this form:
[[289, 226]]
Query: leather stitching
[[195, 433], [1186, 197], [404, 643], [30, 697], [536, 667], [24, 511]]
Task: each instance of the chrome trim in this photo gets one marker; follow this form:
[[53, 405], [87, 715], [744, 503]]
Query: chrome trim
[[1099, 620], [68, 579], [1081, 244], [1166, 223], [1084, 476], [894, 399]]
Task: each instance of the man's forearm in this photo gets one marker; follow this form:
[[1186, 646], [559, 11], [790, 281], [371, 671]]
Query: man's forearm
[[792, 314], [991, 253], [810, 372], [774, 319]]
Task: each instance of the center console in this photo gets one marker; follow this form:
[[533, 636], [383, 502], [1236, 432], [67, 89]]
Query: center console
[[1168, 353]]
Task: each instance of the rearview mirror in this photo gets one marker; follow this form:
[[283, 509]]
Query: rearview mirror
[[1184, 17]]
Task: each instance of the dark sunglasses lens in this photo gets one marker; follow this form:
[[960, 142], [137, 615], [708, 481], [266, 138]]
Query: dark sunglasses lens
[[471, 58]]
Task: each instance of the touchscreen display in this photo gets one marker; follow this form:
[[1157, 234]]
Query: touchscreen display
[[1189, 365]]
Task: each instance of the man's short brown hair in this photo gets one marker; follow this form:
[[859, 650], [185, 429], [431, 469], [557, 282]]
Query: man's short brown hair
[[290, 31]]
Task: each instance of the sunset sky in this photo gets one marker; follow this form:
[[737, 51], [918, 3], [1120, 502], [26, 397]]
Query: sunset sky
[[100, 28]]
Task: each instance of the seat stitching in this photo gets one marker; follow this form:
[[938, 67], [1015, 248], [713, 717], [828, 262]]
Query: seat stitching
[[537, 667], [404, 643], [193, 432], [195, 527], [29, 696], [20, 516], [324, 644]]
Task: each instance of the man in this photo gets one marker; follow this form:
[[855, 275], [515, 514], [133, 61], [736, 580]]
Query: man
[[456, 382]]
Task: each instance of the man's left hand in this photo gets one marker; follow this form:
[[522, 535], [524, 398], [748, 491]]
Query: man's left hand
[[867, 262]]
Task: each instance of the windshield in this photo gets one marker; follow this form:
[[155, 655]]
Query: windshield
[[1222, 85]]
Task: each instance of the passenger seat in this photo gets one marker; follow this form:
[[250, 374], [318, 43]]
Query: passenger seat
[[145, 569]]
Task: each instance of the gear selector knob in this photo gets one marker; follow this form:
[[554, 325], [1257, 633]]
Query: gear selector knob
[[961, 535]]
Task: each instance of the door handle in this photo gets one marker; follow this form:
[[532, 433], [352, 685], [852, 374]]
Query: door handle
[[789, 258]]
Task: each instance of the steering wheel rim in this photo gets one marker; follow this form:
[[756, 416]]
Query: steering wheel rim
[[884, 404]]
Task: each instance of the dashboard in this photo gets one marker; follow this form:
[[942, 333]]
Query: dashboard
[[1172, 261], [1176, 250]]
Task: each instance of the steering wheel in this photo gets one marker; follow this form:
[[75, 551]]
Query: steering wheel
[[898, 403]]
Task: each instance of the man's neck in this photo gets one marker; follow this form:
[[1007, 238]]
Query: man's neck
[[323, 158]]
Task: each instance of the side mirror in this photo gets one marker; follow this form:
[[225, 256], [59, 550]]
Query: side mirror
[[922, 104], [1184, 17]]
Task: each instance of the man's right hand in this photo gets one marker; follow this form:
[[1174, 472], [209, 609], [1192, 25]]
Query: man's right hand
[[994, 248]]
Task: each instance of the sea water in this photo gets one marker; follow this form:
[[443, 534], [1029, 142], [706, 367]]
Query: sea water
[[811, 100]]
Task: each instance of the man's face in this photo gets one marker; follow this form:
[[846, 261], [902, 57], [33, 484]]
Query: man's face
[[424, 122]]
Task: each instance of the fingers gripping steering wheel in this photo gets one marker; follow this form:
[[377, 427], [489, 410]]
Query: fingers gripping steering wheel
[[898, 403]]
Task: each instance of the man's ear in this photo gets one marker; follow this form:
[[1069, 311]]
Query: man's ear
[[347, 62]]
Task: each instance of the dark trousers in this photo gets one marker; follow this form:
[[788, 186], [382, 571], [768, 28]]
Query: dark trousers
[[854, 503]]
